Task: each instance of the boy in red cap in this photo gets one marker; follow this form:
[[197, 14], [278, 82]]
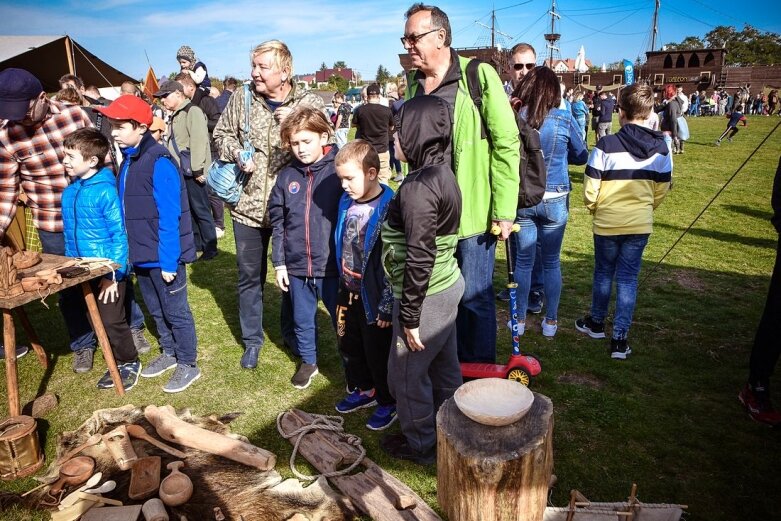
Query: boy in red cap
[[160, 238]]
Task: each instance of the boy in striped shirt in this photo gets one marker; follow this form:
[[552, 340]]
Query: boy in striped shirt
[[627, 176]]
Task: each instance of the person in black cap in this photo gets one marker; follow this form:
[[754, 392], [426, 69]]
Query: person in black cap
[[375, 122], [31, 154]]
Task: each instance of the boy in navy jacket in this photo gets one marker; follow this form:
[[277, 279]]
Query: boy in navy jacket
[[160, 237], [365, 302], [302, 209], [93, 227]]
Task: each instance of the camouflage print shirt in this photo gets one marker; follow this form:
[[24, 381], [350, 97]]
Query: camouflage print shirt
[[270, 156]]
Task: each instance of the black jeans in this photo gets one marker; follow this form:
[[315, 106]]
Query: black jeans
[[201, 214], [364, 347], [767, 342], [113, 316], [71, 300], [252, 260]]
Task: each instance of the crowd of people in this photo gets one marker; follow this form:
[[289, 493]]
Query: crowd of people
[[406, 277]]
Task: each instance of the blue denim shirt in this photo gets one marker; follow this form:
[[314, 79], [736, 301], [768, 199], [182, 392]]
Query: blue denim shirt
[[562, 144]]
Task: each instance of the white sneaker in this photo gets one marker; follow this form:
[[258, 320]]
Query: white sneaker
[[220, 232], [520, 329], [549, 330]]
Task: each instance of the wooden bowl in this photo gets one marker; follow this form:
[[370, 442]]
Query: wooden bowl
[[494, 401]]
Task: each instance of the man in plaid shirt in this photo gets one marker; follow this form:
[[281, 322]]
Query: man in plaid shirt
[[32, 131]]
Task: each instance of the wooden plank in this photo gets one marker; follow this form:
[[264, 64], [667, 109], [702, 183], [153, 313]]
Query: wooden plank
[[373, 491], [12, 379]]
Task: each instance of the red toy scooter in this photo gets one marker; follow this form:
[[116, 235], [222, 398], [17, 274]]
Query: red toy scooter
[[519, 367]]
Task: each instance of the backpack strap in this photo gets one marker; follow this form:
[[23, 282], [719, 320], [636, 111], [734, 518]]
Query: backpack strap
[[476, 93]]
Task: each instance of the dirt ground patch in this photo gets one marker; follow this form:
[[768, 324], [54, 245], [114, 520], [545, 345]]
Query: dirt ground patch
[[585, 380]]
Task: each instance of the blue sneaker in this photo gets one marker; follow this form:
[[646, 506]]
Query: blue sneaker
[[356, 400], [382, 418]]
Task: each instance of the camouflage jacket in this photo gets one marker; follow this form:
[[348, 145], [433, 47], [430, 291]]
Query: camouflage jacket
[[270, 156]]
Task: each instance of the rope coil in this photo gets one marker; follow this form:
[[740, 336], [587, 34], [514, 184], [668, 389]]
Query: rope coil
[[321, 422]]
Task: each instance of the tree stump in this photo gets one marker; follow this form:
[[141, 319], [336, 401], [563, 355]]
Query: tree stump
[[494, 473]]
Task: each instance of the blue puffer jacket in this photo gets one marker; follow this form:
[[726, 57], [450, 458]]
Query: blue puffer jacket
[[92, 220]]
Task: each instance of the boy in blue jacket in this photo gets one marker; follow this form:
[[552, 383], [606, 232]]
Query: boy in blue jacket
[[365, 301], [160, 237], [92, 226], [302, 209]]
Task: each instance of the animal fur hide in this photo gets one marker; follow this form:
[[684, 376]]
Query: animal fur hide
[[237, 489]]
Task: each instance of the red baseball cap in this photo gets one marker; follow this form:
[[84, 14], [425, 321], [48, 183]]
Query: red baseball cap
[[128, 107]]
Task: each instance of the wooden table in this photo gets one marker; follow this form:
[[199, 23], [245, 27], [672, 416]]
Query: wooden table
[[14, 304]]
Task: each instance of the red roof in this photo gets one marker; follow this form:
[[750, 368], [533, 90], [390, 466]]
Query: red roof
[[324, 75], [568, 62]]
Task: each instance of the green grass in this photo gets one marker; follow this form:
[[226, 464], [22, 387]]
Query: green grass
[[667, 418]]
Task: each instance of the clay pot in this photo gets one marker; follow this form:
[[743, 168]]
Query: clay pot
[[176, 489]]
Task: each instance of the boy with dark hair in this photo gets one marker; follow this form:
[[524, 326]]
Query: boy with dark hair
[[374, 122], [365, 300], [160, 238], [735, 117], [627, 176], [419, 238], [94, 228]]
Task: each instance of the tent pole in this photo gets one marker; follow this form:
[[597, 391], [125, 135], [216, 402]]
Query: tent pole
[[69, 54]]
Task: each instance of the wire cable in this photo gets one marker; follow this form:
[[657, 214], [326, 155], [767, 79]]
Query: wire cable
[[724, 187]]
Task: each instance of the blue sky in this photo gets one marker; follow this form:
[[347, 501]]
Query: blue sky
[[362, 33]]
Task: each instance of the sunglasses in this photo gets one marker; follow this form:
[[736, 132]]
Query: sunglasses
[[520, 66], [413, 39]]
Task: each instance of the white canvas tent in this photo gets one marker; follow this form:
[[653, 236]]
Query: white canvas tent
[[50, 57]]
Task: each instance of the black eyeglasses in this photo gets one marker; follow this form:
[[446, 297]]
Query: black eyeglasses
[[413, 39], [520, 66]]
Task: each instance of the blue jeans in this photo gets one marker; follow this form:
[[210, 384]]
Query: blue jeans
[[476, 321], [542, 225], [71, 300], [304, 295], [252, 261], [619, 257], [167, 303]]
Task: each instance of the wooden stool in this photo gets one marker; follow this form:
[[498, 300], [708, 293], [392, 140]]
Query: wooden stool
[[496, 473]]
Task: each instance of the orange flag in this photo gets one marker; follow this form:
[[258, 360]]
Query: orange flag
[[150, 83]]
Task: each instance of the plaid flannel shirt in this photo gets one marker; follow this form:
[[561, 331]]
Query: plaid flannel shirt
[[31, 157]]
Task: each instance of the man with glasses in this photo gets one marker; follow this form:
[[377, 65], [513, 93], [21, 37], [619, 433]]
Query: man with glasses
[[523, 58], [32, 131], [485, 160]]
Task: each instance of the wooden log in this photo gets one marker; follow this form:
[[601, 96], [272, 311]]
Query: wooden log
[[11, 377], [100, 332], [498, 473], [373, 491], [173, 429]]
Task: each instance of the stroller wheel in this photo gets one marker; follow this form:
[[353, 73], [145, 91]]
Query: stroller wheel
[[519, 375]]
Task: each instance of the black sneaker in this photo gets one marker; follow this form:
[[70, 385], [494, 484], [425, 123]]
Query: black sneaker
[[503, 296], [591, 328], [619, 349], [304, 375], [535, 302], [82, 360], [396, 445], [20, 351], [129, 373], [139, 340]]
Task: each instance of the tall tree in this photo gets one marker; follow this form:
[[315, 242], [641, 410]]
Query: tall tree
[[689, 43], [323, 66], [340, 65], [383, 75], [746, 47], [336, 82]]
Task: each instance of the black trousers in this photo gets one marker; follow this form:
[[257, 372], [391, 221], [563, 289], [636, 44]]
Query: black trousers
[[767, 342], [113, 316], [201, 214], [218, 211], [364, 347]]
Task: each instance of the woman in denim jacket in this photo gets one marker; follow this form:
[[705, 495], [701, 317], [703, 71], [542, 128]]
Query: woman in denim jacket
[[542, 226]]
